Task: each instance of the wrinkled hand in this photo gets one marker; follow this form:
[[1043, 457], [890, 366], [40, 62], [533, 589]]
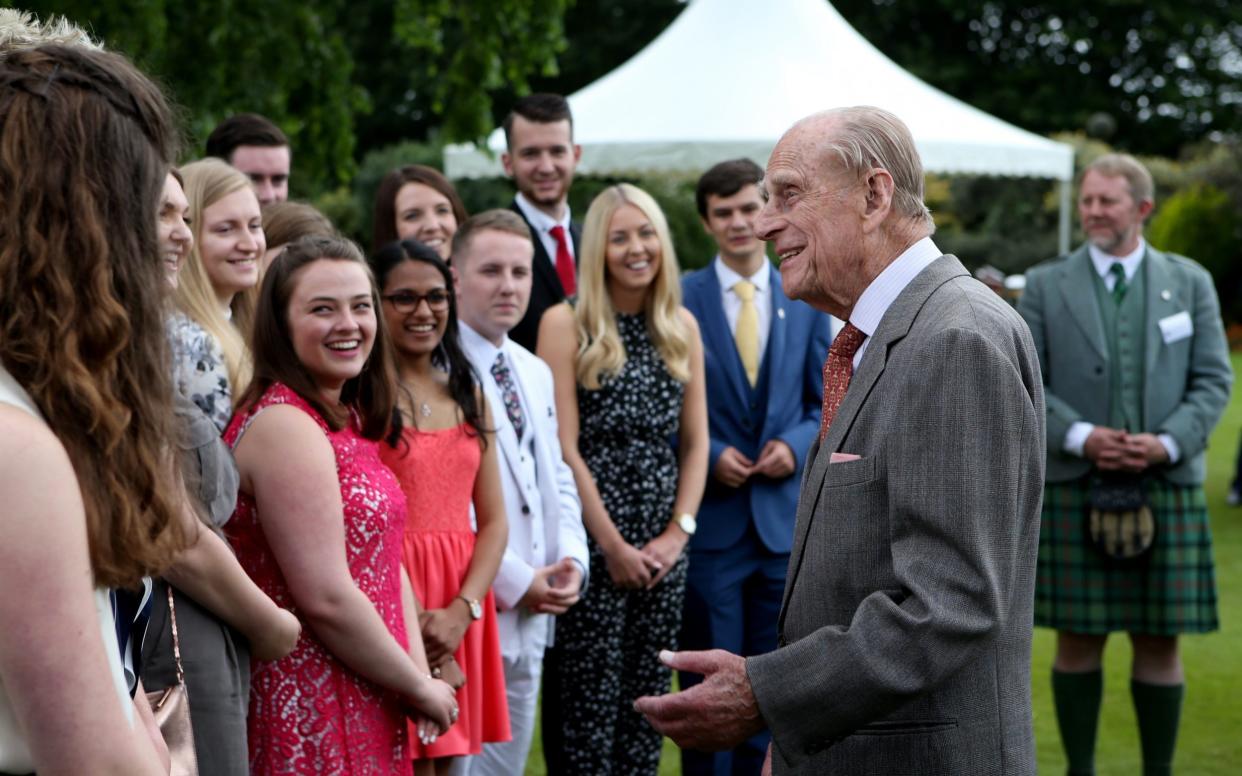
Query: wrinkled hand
[[717, 714], [666, 549], [629, 567], [442, 631], [432, 707], [278, 638], [554, 588], [776, 460], [732, 468]]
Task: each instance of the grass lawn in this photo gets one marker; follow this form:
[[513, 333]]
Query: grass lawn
[[1210, 742]]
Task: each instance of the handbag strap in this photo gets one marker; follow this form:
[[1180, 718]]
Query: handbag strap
[[172, 617]]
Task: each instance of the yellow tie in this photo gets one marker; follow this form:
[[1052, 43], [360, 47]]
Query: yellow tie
[[747, 333]]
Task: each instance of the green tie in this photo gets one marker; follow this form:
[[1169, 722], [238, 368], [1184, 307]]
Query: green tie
[[1119, 288]]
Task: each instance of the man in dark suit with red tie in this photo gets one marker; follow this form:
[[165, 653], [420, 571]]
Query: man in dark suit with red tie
[[541, 157]]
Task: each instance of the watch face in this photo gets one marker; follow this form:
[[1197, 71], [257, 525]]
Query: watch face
[[476, 610]]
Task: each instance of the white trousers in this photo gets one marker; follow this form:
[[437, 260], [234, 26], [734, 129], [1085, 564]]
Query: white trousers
[[509, 759]]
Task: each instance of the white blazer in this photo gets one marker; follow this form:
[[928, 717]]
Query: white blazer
[[562, 535]]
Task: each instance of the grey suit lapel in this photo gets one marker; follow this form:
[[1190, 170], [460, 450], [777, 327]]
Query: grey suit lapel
[[1163, 300], [893, 326], [1077, 283]]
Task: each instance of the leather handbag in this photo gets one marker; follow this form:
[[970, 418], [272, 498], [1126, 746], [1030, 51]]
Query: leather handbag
[[171, 707], [1120, 524]]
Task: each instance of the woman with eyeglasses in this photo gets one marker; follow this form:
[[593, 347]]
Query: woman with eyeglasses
[[441, 448]]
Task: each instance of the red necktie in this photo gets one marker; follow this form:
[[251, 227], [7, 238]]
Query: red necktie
[[838, 369], [564, 261]]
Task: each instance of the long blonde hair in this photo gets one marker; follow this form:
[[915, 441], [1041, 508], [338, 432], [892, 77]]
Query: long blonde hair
[[601, 353], [207, 181]]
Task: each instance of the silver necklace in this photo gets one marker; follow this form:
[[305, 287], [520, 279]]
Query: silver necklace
[[424, 409]]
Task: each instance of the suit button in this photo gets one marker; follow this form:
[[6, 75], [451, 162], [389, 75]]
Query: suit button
[[525, 510], [746, 423], [1099, 370]]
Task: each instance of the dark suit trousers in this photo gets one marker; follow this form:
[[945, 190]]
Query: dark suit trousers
[[733, 601]]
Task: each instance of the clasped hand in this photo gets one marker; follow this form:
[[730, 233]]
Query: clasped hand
[[1114, 449], [776, 460], [632, 568], [442, 631]]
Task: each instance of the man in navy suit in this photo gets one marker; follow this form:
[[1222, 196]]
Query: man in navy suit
[[764, 355], [541, 158]]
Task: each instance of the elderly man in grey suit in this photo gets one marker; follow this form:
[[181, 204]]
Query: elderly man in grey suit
[[1137, 372], [905, 631]]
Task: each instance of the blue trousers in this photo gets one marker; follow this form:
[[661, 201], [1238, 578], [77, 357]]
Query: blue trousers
[[733, 599]]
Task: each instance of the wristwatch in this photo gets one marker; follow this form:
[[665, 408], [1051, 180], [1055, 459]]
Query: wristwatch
[[476, 609], [686, 522]]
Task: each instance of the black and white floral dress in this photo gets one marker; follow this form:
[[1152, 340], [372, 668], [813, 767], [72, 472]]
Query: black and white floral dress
[[607, 646], [199, 370]]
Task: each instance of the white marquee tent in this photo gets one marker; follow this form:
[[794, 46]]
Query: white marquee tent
[[728, 77]]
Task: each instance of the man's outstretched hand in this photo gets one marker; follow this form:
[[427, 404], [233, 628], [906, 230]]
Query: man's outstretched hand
[[716, 714]]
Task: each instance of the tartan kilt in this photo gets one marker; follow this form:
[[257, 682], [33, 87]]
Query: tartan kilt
[[1170, 591]]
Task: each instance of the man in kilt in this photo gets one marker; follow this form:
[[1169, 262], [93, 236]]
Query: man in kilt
[[1136, 374]]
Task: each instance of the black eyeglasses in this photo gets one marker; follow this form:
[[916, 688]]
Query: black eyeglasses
[[407, 302]]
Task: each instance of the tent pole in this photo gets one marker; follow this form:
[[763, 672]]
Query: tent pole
[[1063, 225]]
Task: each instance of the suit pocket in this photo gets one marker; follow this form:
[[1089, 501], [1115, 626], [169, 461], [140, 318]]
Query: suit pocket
[[856, 472], [905, 727]]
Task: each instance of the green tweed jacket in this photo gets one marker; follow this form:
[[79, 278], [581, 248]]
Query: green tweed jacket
[[1187, 378]]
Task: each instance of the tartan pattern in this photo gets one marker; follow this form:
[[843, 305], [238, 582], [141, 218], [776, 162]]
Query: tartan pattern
[[1172, 591]]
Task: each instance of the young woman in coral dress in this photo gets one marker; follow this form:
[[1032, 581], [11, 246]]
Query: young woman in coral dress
[[443, 452]]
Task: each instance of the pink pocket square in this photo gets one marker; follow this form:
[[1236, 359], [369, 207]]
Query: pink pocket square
[[842, 457]]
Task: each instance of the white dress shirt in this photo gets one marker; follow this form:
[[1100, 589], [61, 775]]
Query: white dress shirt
[[732, 303], [1076, 437], [543, 224], [887, 286]]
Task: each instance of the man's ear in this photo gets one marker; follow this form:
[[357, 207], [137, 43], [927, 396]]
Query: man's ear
[[506, 162], [1144, 209], [878, 189]]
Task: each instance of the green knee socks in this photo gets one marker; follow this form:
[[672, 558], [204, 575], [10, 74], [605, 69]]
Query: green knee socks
[[1159, 710], [1077, 699]]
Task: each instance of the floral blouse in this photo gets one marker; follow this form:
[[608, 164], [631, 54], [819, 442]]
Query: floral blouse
[[199, 371]]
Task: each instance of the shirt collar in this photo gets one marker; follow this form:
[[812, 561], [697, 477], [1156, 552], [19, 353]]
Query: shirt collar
[[878, 296], [728, 278], [539, 219], [478, 348], [1130, 262]]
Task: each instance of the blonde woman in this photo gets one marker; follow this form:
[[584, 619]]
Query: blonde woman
[[210, 329], [627, 363]]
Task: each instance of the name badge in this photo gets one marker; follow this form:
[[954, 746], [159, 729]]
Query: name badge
[[1176, 327]]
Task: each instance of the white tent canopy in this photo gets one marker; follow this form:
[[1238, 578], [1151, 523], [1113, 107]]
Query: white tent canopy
[[728, 77]]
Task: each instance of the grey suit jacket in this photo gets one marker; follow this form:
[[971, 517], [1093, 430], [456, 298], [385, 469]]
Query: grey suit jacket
[[1187, 380], [906, 628]]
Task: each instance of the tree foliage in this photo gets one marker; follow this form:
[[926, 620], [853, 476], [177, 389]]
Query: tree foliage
[[1165, 72]]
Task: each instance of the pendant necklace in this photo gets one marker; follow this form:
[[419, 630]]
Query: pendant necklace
[[424, 409]]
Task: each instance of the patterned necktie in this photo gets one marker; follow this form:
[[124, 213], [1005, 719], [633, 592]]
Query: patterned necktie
[[838, 369], [564, 261], [508, 392], [746, 335], [1119, 287]]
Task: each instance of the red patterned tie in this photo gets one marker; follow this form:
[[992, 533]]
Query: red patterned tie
[[564, 261], [838, 369]]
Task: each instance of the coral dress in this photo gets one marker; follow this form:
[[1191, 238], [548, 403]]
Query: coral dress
[[437, 470], [309, 713]]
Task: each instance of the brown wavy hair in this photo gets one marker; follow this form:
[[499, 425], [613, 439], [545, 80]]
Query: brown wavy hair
[[85, 145], [384, 219], [372, 394]]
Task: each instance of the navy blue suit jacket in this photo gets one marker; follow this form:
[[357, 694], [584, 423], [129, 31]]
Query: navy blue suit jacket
[[797, 345]]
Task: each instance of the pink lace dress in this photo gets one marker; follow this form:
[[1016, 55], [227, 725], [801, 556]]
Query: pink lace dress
[[437, 470], [309, 714]]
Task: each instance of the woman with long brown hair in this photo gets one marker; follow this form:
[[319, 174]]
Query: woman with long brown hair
[[417, 202], [319, 524], [85, 401]]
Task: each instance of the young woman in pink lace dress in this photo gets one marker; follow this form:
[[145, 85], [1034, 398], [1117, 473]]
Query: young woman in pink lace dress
[[443, 452], [318, 526]]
